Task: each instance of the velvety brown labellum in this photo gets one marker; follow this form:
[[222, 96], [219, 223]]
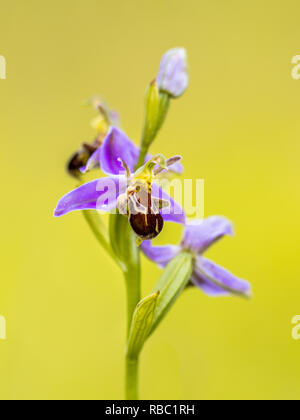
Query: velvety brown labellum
[[146, 226]]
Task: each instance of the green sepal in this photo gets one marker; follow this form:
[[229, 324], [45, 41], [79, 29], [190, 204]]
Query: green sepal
[[157, 105], [164, 103], [152, 112], [141, 325]]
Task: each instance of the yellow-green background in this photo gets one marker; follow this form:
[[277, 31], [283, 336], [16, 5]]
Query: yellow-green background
[[238, 127]]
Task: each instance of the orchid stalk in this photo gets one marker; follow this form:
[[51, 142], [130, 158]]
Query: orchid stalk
[[170, 83], [139, 208]]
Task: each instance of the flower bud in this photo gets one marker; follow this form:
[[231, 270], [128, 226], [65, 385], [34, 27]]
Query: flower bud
[[173, 77]]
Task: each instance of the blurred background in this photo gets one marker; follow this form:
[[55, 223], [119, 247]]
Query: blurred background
[[237, 127]]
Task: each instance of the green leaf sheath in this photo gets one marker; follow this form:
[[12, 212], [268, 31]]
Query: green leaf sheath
[[172, 282], [141, 325]]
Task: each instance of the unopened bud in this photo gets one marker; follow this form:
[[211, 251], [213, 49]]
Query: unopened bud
[[173, 76]]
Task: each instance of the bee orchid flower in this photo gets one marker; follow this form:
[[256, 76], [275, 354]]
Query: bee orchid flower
[[198, 236], [108, 193], [101, 124], [114, 147]]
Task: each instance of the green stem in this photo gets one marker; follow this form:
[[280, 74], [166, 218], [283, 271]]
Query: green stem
[[132, 367], [143, 152], [133, 291], [120, 242]]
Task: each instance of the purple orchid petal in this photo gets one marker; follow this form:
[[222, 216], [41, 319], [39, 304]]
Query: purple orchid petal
[[173, 77], [174, 212], [115, 146], [93, 162], [101, 194], [217, 281], [201, 234], [177, 167], [115, 118], [161, 255]]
